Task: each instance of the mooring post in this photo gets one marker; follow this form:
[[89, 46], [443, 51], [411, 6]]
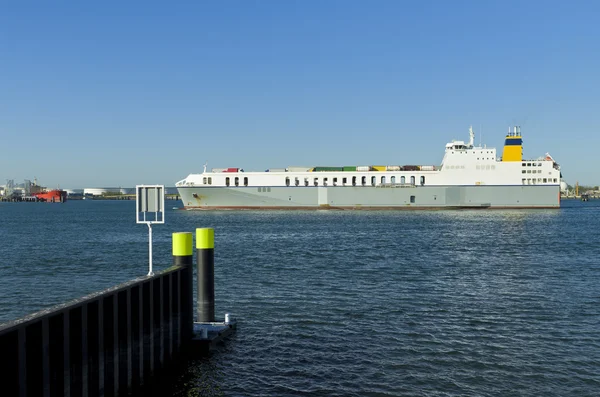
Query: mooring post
[[183, 253], [205, 253], [207, 332]]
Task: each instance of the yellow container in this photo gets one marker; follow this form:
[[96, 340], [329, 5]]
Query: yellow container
[[379, 167]]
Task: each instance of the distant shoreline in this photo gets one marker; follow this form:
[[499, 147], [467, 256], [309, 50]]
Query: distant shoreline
[[117, 197]]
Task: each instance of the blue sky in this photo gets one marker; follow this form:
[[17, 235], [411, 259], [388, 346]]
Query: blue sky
[[122, 93]]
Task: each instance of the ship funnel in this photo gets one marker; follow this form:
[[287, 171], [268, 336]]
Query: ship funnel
[[513, 145]]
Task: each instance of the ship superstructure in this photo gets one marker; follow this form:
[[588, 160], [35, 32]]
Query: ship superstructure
[[469, 176]]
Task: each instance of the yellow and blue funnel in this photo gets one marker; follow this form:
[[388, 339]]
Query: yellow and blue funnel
[[513, 146]]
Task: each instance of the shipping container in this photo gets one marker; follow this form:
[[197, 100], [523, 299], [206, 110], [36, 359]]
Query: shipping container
[[327, 169], [379, 167], [276, 170], [349, 168], [298, 169], [428, 168], [363, 168], [411, 168], [218, 169], [392, 168], [231, 170]]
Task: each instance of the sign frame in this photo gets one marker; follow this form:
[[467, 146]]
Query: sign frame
[[150, 200], [150, 209]]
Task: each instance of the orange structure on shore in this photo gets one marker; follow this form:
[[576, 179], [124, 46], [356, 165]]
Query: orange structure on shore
[[51, 196], [43, 194]]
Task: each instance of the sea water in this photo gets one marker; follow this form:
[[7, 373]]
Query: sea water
[[348, 303]]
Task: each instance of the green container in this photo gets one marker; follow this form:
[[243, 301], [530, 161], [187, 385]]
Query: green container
[[349, 168], [325, 169]]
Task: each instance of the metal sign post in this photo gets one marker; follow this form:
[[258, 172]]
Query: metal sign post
[[150, 206]]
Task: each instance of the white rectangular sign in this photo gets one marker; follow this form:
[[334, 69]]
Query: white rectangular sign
[[150, 203]]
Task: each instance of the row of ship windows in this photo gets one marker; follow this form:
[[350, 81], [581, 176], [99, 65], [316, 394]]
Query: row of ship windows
[[533, 181], [531, 164], [488, 152], [345, 181], [531, 171], [208, 181], [363, 181], [325, 181]]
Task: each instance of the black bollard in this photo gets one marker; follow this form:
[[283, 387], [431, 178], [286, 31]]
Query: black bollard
[[205, 255], [183, 255]]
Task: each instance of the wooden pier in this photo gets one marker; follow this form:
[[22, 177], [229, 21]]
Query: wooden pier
[[113, 342]]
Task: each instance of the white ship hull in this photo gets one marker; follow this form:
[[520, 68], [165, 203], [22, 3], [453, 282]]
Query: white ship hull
[[468, 177], [419, 197]]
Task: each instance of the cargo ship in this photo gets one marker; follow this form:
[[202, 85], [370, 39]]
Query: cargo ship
[[469, 176], [41, 193], [51, 196]]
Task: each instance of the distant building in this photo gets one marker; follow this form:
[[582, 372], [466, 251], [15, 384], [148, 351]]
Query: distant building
[[99, 191], [74, 192], [564, 187]]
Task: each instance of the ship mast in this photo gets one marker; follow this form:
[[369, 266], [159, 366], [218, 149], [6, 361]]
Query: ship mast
[[471, 136]]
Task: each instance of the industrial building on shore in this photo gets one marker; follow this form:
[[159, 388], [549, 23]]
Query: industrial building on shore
[[104, 191], [11, 188]]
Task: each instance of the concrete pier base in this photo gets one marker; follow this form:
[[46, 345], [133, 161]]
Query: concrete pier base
[[206, 336]]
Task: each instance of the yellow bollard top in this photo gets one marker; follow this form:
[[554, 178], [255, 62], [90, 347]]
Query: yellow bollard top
[[182, 244], [205, 238]]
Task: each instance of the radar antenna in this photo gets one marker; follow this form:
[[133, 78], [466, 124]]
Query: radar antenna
[[205, 164]]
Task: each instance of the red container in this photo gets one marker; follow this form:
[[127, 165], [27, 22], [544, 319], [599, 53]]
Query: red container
[[232, 170]]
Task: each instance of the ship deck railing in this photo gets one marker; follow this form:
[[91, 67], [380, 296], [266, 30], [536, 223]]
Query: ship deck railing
[[393, 185]]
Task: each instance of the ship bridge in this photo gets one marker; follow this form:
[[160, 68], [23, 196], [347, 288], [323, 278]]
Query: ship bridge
[[460, 154], [458, 145], [461, 145]]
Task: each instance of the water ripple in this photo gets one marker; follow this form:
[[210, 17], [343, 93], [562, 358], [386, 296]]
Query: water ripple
[[442, 303]]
